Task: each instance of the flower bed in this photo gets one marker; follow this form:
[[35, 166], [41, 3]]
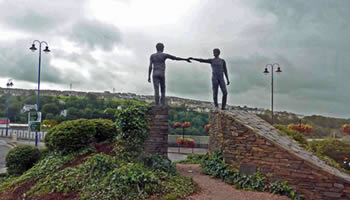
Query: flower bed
[[302, 128], [345, 128], [187, 142]]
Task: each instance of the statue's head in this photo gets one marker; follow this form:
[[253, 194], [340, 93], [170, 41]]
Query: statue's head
[[216, 52], [160, 47]]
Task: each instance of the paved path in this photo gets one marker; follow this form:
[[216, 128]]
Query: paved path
[[215, 189]]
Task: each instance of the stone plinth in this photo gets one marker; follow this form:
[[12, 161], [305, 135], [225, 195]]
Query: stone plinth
[[247, 139], [157, 140]]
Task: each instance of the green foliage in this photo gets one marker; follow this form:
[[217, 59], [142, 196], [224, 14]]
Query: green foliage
[[193, 159], [295, 135], [105, 177], [283, 189], [171, 196], [44, 152], [105, 129], [159, 162], [100, 176], [130, 181], [47, 165], [21, 158], [132, 125], [70, 136], [83, 177], [215, 166], [332, 148], [179, 186]]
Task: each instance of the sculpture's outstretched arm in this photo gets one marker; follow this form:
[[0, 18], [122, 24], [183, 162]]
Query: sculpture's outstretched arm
[[201, 60], [177, 58]]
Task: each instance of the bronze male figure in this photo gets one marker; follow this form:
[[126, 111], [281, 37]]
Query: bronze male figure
[[157, 60], [219, 69]]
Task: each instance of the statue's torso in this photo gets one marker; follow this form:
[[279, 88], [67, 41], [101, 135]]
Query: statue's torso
[[217, 66]]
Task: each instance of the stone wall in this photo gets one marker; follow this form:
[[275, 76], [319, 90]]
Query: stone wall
[[247, 139], [157, 141]]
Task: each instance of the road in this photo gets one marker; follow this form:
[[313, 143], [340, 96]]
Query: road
[[4, 148], [3, 151]]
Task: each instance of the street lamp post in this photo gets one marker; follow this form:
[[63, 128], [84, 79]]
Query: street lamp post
[[272, 71], [8, 84], [46, 50]]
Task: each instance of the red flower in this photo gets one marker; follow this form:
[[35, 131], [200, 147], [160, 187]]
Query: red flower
[[346, 128], [302, 128], [207, 127]]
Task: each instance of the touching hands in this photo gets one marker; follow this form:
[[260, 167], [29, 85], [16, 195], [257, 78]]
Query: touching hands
[[188, 60]]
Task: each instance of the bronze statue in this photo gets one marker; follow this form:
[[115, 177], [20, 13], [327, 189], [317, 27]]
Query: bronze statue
[[157, 60], [219, 69]]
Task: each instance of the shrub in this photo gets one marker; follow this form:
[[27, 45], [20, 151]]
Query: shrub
[[159, 162], [132, 125], [335, 149], [21, 158], [105, 129], [215, 166], [295, 135], [283, 189], [70, 136], [44, 151], [131, 181]]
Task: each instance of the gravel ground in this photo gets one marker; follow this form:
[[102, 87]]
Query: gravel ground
[[215, 189]]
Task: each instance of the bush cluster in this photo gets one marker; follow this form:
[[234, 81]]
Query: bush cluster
[[283, 188], [70, 136], [332, 148], [21, 158], [127, 175], [132, 125], [105, 129], [215, 166], [106, 177], [295, 135], [159, 162]]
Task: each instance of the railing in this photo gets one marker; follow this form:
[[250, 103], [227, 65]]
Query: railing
[[22, 134], [200, 141]]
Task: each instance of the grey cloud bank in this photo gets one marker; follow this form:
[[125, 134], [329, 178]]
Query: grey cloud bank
[[309, 39]]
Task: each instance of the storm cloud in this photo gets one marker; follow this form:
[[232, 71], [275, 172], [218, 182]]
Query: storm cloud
[[104, 45]]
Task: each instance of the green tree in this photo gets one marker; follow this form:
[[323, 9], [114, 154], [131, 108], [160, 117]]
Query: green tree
[[50, 108]]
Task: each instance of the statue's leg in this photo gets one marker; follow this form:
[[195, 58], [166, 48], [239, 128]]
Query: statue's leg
[[156, 82], [162, 90], [215, 87], [224, 93]]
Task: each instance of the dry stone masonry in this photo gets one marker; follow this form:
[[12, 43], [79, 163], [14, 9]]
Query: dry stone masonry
[[157, 141], [248, 140]]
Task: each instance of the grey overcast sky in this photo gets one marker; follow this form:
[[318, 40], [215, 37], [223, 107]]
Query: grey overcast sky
[[98, 45]]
